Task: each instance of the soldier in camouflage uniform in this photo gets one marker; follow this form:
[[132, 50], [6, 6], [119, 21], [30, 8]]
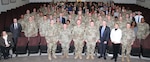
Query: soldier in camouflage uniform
[[127, 41], [88, 19], [80, 16], [69, 25], [43, 26], [31, 29], [65, 39], [143, 29], [34, 13], [110, 22], [99, 22], [51, 39], [58, 24], [72, 21], [22, 22], [121, 22], [91, 36], [27, 15], [127, 18], [78, 38], [36, 21]]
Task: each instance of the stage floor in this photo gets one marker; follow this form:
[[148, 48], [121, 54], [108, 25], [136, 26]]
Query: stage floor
[[43, 58]]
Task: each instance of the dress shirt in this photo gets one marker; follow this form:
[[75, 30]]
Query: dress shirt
[[138, 18], [5, 38], [60, 19], [15, 25], [116, 14], [116, 35], [102, 31]]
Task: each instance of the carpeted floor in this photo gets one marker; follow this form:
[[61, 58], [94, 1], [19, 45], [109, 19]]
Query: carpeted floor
[[43, 58]]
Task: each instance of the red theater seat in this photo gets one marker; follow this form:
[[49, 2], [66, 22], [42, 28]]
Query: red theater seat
[[146, 47], [21, 46], [136, 48], [22, 34], [33, 45], [43, 45]]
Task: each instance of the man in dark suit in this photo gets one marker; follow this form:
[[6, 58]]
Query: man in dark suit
[[15, 29], [104, 38], [62, 19], [5, 44]]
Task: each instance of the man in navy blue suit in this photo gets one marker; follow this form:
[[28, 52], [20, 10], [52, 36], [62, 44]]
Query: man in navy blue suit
[[15, 29], [104, 38]]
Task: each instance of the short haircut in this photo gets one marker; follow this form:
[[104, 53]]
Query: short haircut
[[68, 20], [128, 23], [116, 24], [92, 21]]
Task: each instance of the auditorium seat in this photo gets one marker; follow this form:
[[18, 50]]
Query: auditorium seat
[[43, 45], [84, 48], [33, 45], [59, 48], [22, 34], [71, 48], [97, 48], [146, 47], [136, 48], [21, 47]]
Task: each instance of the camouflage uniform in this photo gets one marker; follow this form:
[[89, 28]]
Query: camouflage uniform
[[87, 21], [122, 24], [78, 32], [31, 29], [43, 26], [72, 22], [82, 18], [129, 20], [34, 13], [92, 36], [22, 22], [51, 40], [143, 30], [98, 23], [65, 39], [127, 41], [26, 16], [110, 23]]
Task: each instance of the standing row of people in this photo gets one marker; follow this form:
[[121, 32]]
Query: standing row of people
[[89, 22]]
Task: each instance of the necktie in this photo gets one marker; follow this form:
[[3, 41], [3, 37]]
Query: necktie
[[138, 19]]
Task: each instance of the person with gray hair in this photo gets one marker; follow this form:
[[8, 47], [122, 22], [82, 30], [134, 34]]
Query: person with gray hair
[[104, 31]]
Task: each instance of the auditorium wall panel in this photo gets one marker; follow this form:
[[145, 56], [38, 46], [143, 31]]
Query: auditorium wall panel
[[10, 6], [116, 1], [144, 3], [125, 1], [32, 1]]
